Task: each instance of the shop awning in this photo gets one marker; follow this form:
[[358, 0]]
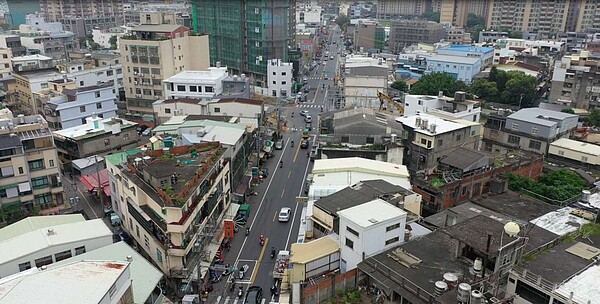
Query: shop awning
[[91, 181]]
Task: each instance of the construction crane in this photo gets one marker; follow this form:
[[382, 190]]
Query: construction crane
[[384, 97]]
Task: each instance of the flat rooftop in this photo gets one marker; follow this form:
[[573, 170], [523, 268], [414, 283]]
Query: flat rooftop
[[561, 221], [370, 213], [536, 115], [212, 74], [30, 57], [515, 206], [575, 145], [454, 59], [34, 223], [442, 125], [89, 130]]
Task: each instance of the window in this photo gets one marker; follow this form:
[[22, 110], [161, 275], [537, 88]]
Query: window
[[349, 243], [81, 83], [283, 82], [193, 89], [159, 256], [534, 130], [109, 73], [208, 89], [561, 152], [146, 241], [370, 140], [36, 164], [21, 170], [345, 139], [515, 140], [283, 73], [423, 141], [274, 82], [43, 261], [167, 111], [137, 230], [83, 122], [515, 126], [63, 255], [584, 159], [458, 137], [392, 241], [352, 231], [79, 250], [98, 105], [24, 266], [217, 110], [440, 142], [39, 182], [392, 227], [43, 199], [534, 144], [274, 73], [82, 109], [181, 88]]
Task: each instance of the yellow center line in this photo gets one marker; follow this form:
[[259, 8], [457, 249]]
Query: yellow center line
[[282, 192], [289, 174], [260, 257], [297, 150], [274, 216]]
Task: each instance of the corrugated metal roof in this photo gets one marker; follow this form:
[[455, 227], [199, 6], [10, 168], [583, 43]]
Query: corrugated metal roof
[[303, 253], [33, 223]]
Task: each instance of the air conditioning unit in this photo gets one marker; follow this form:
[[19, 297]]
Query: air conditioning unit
[[157, 97], [153, 76], [135, 73], [135, 82], [138, 95], [141, 75]]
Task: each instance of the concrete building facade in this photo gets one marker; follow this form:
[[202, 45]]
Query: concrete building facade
[[280, 78], [201, 85], [575, 82]]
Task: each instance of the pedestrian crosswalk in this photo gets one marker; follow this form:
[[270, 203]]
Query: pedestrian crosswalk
[[234, 300], [308, 105]]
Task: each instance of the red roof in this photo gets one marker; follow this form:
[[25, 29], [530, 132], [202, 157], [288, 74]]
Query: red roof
[[91, 181]]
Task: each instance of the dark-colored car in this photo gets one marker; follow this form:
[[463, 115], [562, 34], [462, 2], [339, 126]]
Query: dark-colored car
[[304, 144], [308, 126], [253, 295], [141, 129]]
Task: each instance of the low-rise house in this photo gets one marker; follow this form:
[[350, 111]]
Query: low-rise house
[[461, 68], [575, 153], [359, 126], [201, 85], [236, 107], [458, 107], [485, 53]]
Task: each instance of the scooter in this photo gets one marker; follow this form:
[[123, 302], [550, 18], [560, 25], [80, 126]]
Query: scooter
[[292, 143], [273, 252], [280, 164], [262, 242], [240, 292], [247, 231]]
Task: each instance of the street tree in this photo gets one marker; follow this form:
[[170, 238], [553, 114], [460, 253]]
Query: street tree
[[399, 85], [432, 84]]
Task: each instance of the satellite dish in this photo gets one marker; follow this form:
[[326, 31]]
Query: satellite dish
[[512, 229]]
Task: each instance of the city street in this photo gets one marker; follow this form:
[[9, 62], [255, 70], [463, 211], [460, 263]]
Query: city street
[[278, 190]]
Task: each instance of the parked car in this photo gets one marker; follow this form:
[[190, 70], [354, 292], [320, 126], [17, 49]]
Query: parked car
[[303, 113], [115, 220], [304, 144], [108, 210], [284, 214], [147, 132], [141, 129], [307, 119], [306, 89]]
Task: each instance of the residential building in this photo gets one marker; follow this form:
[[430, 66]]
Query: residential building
[[13, 42], [368, 229], [332, 175], [31, 62], [47, 38], [145, 277], [456, 12], [5, 64], [82, 27], [29, 166], [245, 35], [103, 36], [457, 35], [365, 36], [361, 10], [247, 109], [491, 36], [201, 85], [52, 243], [304, 256], [71, 106], [98, 135], [575, 82], [235, 86], [56, 10], [363, 78], [544, 17], [16, 11], [280, 78], [532, 47], [485, 53], [458, 107], [428, 138], [465, 174], [461, 68], [154, 52], [324, 214], [309, 14], [100, 281], [36, 80], [391, 9], [575, 153], [404, 33], [530, 129], [173, 215], [177, 11]]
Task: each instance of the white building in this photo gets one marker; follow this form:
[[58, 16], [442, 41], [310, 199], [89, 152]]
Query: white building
[[5, 63], [309, 14], [368, 229], [83, 282], [23, 248], [203, 85], [102, 37], [458, 107], [74, 105], [279, 76], [237, 107], [31, 62], [462, 68]]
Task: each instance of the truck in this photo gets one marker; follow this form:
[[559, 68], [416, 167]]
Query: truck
[[281, 264]]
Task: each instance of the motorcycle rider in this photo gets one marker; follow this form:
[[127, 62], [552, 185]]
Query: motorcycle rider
[[262, 239]]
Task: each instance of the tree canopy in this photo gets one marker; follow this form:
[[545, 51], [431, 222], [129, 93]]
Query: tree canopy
[[594, 118], [432, 84], [568, 110], [474, 20], [113, 42], [342, 20], [431, 16], [399, 85], [512, 87], [556, 186]]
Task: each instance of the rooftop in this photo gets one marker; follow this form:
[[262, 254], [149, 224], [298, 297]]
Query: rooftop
[[372, 212], [358, 194], [88, 88], [303, 253], [91, 130], [583, 287], [212, 74], [7, 141], [144, 275], [561, 221], [468, 48], [356, 115], [39, 239], [34, 223], [81, 283], [575, 145], [540, 116], [467, 159], [172, 126], [516, 206], [160, 28], [454, 59], [255, 102], [442, 125], [30, 57]]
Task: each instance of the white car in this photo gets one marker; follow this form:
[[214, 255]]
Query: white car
[[303, 113], [284, 214]]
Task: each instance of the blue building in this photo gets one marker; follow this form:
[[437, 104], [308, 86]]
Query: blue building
[[462, 68], [485, 53], [410, 69]]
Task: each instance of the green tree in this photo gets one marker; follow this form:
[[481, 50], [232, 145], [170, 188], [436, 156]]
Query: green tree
[[474, 20], [431, 16], [557, 186], [568, 110], [113, 42], [431, 84], [484, 89], [519, 89], [500, 77], [342, 20], [515, 34], [594, 118], [399, 85]]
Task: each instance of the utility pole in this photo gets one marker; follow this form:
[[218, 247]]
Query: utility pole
[[99, 182]]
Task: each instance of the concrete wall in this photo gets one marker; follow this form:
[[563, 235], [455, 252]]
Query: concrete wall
[[328, 288], [97, 144]]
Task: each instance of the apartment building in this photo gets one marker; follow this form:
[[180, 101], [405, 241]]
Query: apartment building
[[156, 51], [455, 12], [428, 138], [544, 17], [280, 78], [530, 129], [29, 166], [247, 109], [202, 85], [391, 9], [47, 38], [458, 107], [13, 42], [245, 34], [5, 63], [575, 82], [56, 10], [404, 33], [175, 217], [103, 36], [66, 106]]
